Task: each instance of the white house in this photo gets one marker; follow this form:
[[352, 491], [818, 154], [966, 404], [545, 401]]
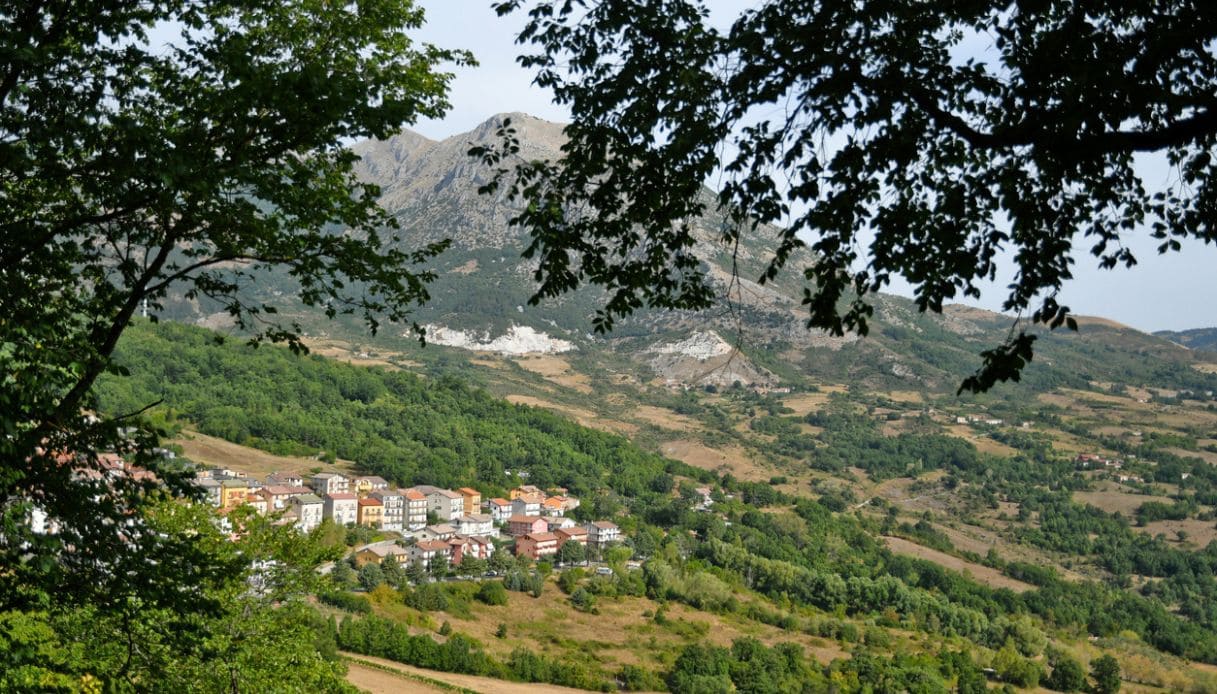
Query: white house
[[395, 509], [330, 483], [526, 506], [601, 533], [444, 503], [343, 509], [475, 524], [307, 509], [415, 508]]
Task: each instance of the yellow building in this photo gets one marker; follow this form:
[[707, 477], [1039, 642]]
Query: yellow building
[[472, 499], [371, 512]]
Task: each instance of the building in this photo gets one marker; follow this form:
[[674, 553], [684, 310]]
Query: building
[[537, 545], [444, 503], [329, 483], [233, 492], [369, 484], [472, 499], [601, 533], [394, 509], [575, 534], [524, 525], [526, 505], [371, 513], [212, 491], [500, 510], [426, 551], [476, 524], [463, 546], [276, 496], [284, 479], [257, 503], [377, 552], [555, 523], [439, 531], [415, 508], [307, 510], [524, 490], [342, 508], [553, 506]]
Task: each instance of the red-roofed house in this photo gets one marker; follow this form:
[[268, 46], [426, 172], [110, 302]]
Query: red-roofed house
[[523, 525], [575, 534], [500, 510], [472, 499], [537, 545], [371, 512]]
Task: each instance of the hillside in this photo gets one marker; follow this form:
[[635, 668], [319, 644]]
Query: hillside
[[1204, 339], [865, 529]]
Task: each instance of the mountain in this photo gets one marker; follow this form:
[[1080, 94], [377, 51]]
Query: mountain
[[480, 300], [1197, 338]]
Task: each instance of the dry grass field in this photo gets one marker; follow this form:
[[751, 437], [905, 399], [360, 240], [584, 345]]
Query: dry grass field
[[378, 681], [210, 451], [731, 458], [1111, 498], [584, 417], [556, 370], [982, 574]]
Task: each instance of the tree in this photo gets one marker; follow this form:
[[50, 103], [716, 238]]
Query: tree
[[1105, 672], [893, 152], [1067, 675], [371, 576], [571, 553], [173, 149]]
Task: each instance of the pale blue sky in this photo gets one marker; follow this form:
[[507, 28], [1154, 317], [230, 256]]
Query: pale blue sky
[[1171, 292]]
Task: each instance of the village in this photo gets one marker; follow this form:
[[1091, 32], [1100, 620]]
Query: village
[[431, 524]]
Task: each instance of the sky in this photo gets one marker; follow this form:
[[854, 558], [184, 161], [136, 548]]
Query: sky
[[1176, 291]]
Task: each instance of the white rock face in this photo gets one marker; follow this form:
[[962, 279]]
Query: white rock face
[[700, 345], [519, 339]]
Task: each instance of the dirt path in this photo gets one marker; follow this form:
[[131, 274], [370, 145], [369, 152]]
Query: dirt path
[[387, 683]]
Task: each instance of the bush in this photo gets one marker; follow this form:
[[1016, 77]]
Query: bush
[[357, 604], [492, 593]]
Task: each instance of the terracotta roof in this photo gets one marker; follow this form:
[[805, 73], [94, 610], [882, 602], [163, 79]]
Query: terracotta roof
[[605, 525], [370, 502], [433, 545], [499, 502], [341, 496], [278, 490], [469, 492], [554, 502], [541, 537], [524, 519], [414, 495], [572, 531]]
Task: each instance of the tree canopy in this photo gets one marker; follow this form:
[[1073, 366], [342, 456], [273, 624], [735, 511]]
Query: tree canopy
[[174, 147], [911, 140]]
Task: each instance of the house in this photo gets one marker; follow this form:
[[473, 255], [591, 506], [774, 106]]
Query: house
[[377, 552], [500, 510], [307, 510], [330, 483], [575, 534], [369, 484], [342, 508], [426, 551], [705, 500], [601, 533], [394, 509], [553, 506], [276, 496], [524, 490], [523, 525], [211, 490], [439, 531], [370, 512], [258, 503], [476, 524], [415, 508], [558, 523], [472, 499], [462, 546], [233, 493], [537, 545], [526, 505], [444, 503], [284, 479]]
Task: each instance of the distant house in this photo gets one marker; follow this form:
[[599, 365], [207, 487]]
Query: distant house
[[472, 500], [529, 505], [476, 524], [463, 546], [342, 508], [559, 522], [371, 513], [307, 510], [415, 508], [330, 483], [276, 496], [426, 551], [524, 525], [394, 509], [444, 503], [537, 545], [258, 503], [553, 506], [575, 534], [601, 533], [211, 490], [377, 552], [500, 510], [284, 479], [369, 484], [524, 490], [233, 493], [439, 531]]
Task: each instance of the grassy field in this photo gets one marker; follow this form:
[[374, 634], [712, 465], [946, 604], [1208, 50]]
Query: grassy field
[[210, 451]]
